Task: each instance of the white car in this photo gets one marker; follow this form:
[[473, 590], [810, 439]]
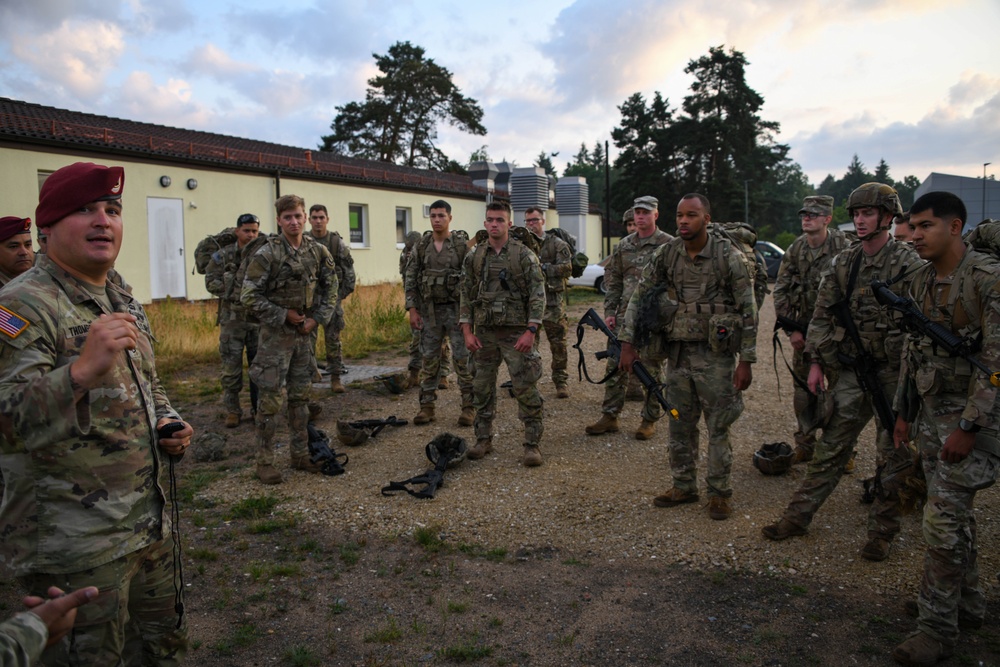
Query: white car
[[593, 276]]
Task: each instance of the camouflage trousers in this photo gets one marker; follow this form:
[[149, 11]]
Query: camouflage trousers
[[235, 336], [525, 369], [331, 338], [808, 406], [701, 381], [435, 336], [417, 359], [951, 572], [132, 620], [284, 362], [555, 324], [617, 386], [851, 413]]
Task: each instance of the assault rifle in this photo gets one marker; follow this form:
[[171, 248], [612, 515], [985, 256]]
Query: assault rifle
[[614, 351], [375, 426], [865, 367], [320, 452], [444, 450], [788, 325], [915, 321]]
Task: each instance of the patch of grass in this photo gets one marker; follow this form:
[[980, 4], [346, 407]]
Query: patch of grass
[[202, 553], [350, 553], [465, 652], [309, 545], [568, 638], [257, 507], [257, 570], [285, 570], [765, 635], [301, 656], [496, 622], [384, 635], [338, 606], [429, 538], [575, 561], [191, 485], [243, 636], [274, 525], [798, 590], [497, 555], [457, 607], [718, 577]]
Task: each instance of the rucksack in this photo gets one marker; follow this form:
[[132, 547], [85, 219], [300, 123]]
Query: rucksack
[[209, 245], [985, 237], [744, 237], [580, 261], [248, 252]]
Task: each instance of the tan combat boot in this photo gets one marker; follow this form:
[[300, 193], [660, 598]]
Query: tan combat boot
[[782, 530], [335, 386], [719, 508], [232, 420], [562, 391], [268, 474], [646, 430], [468, 416], [414, 377], [426, 414], [876, 549], [921, 650], [802, 454], [482, 447], [303, 463], [606, 424], [443, 382], [849, 468], [532, 456], [675, 497]]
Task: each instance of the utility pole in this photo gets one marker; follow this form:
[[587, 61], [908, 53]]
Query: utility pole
[[985, 164], [746, 202], [607, 200]]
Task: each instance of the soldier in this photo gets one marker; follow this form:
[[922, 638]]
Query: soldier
[[709, 287], [956, 432], [16, 252], [557, 266], [795, 291], [290, 286], [629, 221], [24, 636], [503, 301], [344, 263], [876, 257], [635, 391], [237, 332], [433, 295], [621, 276], [93, 510], [901, 231], [415, 359]]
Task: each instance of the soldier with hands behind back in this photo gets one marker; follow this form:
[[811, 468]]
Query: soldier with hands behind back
[[91, 511], [956, 427], [344, 268]]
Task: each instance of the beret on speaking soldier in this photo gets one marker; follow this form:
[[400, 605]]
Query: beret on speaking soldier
[[649, 203], [11, 225], [71, 187], [817, 205]]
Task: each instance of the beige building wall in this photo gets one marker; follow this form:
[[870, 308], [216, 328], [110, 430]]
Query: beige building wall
[[219, 198]]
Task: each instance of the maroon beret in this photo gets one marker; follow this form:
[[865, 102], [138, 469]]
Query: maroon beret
[[71, 187], [12, 225]]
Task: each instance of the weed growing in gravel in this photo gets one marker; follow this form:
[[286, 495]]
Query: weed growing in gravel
[[796, 589], [286, 570], [301, 656], [192, 484], [254, 508], [275, 525], [384, 635], [201, 553], [338, 606], [457, 607], [429, 538], [497, 555], [465, 652], [575, 561], [496, 622], [244, 636], [350, 553]]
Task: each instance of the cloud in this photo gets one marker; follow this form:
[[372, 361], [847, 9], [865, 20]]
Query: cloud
[[172, 103]]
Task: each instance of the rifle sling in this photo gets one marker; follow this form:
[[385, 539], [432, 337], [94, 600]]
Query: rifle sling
[[581, 365]]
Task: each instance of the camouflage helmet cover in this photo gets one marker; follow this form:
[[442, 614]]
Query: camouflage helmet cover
[[774, 458], [446, 444], [877, 195]]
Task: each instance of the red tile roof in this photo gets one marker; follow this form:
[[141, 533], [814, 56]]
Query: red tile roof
[[34, 123]]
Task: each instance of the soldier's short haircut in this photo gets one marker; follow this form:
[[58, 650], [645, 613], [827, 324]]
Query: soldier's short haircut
[[440, 203], [702, 198], [944, 205], [318, 207], [288, 203], [532, 209], [499, 205]]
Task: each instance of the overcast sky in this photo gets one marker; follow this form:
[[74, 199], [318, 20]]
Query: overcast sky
[[916, 82]]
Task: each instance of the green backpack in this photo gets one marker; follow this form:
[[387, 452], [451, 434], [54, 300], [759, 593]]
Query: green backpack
[[209, 245], [580, 261]]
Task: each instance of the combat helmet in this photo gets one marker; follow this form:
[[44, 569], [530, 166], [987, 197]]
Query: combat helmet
[[774, 458], [876, 195]]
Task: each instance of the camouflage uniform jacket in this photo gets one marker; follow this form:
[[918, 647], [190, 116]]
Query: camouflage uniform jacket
[[280, 278], [967, 303], [877, 326], [802, 267], [705, 299], [432, 276], [219, 278], [557, 266], [502, 289], [22, 640], [84, 478], [625, 268], [4, 279], [342, 260]]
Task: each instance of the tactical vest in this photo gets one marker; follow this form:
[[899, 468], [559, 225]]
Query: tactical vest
[[292, 281], [805, 268], [714, 307], [441, 273], [495, 306], [550, 255]]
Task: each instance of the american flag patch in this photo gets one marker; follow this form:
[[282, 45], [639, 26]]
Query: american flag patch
[[11, 324]]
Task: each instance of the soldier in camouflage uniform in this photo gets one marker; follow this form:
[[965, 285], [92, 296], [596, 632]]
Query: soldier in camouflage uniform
[[24, 636], [290, 286], [795, 292], [346, 279], [557, 266], [635, 391], [92, 511], [709, 316], [236, 332], [432, 284], [876, 257], [621, 276], [415, 358], [503, 301], [956, 432], [17, 255]]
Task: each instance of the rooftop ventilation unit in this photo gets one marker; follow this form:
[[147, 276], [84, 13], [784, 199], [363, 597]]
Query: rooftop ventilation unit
[[529, 187]]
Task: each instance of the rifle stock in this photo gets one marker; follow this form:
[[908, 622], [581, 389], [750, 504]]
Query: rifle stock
[[788, 325], [614, 350]]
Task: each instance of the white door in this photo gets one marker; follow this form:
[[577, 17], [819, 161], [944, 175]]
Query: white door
[[165, 218]]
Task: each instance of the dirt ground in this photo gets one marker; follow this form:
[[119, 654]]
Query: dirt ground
[[566, 564]]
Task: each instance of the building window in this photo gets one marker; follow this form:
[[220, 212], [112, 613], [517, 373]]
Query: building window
[[42, 175], [403, 225], [358, 215]]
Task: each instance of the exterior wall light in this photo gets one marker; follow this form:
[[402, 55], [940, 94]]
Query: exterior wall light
[[165, 181], [192, 184]]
